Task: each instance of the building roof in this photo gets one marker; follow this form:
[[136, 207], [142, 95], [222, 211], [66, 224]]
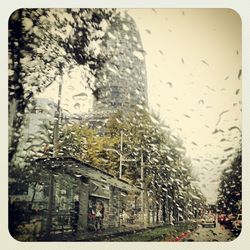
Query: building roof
[[73, 166]]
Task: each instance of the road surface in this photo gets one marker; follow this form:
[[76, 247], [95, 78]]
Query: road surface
[[219, 233]]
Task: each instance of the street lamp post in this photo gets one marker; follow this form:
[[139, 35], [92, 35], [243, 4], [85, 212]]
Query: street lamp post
[[119, 153], [55, 154], [122, 159], [120, 168], [121, 148]]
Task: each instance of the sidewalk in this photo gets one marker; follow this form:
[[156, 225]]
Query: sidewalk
[[100, 235], [130, 232]]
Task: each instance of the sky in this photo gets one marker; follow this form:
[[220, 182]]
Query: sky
[[193, 62]]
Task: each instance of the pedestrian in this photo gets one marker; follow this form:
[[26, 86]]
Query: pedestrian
[[102, 210], [98, 217], [91, 219]]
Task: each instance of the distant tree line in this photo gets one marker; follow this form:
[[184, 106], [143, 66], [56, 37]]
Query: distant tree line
[[230, 189]]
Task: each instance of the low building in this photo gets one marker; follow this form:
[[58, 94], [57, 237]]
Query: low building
[[92, 189]]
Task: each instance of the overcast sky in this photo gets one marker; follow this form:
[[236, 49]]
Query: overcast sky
[[193, 60]]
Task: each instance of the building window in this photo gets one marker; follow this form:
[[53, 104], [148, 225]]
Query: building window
[[115, 93]]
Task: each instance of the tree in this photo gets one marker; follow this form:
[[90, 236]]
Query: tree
[[85, 144], [43, 43], [167, 174], [230, 189]]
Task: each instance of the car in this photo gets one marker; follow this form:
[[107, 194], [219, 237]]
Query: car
[[221, 218], [236, 224], [208, 221]]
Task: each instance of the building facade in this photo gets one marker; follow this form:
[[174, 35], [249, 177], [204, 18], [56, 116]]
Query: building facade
[[122, 82]]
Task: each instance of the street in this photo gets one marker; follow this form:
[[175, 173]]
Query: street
[[219, 233]]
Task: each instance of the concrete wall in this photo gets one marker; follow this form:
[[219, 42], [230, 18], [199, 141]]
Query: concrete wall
[[84, 203], [114, 207]]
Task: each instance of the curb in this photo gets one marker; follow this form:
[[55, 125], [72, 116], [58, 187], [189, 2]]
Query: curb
[[182, 236]]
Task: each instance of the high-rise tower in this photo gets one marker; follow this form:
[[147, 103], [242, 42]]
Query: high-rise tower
[[122, 83]]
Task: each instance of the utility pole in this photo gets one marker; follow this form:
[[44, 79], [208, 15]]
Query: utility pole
[[142, 188], [51, 199], [121, 148]]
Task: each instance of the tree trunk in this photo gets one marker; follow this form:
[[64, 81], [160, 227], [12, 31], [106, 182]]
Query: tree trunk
[[153, 214], [146, 206], [164, 215], [34, 193], [157, 213]]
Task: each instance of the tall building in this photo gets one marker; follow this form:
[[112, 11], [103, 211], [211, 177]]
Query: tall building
[[122, 82]]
